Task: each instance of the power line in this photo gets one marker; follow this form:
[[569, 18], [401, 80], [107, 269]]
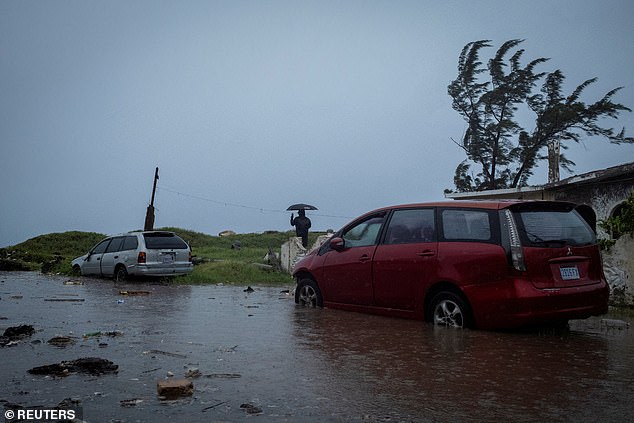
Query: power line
[[242, 206]]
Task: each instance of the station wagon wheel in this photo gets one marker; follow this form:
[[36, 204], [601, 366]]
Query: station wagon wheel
[[307, 293], [76, 270], [450, 310], [120, 274]]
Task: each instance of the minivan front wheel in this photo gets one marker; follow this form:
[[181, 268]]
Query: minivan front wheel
[[449, 310], [307, 293]]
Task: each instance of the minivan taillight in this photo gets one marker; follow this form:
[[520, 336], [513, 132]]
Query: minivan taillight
[[517, 255], [142, 258]]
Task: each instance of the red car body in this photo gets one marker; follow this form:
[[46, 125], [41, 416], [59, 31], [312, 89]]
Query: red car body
[[484, 264]]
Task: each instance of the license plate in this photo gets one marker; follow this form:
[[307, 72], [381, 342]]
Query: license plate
[[569, 273], [168, 258]]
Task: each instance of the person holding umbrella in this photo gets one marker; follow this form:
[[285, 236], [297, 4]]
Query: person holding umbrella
[[301, 222]]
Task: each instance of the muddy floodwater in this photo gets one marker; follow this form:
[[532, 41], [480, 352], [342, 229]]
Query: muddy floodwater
[[256, 356]]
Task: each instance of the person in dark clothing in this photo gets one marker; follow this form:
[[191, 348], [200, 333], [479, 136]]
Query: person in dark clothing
[[302, 224]]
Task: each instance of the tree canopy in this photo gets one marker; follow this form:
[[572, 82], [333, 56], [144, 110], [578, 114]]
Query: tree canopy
[[488, 99]]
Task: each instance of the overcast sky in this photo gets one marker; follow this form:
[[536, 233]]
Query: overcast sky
[[249, 106]]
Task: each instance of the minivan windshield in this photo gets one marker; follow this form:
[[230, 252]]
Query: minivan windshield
[[157, 241], [553, 228]]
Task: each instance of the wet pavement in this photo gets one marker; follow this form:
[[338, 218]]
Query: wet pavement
[[255, 355]]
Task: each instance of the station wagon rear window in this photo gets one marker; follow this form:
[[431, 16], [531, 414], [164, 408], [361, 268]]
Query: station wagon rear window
[[160, 241]]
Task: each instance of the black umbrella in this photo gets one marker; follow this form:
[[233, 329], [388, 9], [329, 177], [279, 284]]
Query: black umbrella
[[301, 206]]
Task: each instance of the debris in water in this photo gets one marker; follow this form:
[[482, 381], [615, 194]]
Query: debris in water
[[251, 409], [73, 282], [130, 402], [193, 373], [112, 334], [90, 365], [17, 332], [170, 354], [68, 300], [249, 289], [132, 293], [62, 341], [91, 334], [174, 388], [214, 406], [224, 375], [14, 333]]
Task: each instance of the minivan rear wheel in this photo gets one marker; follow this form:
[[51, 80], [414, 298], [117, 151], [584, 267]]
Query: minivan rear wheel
[[120, 274], [307, 293], [449, 310]]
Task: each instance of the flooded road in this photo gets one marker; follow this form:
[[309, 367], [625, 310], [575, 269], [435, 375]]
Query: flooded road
[[295, 364]]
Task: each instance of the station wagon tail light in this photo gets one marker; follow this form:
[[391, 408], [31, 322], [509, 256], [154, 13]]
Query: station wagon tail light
[[517, 255], [142, 258]]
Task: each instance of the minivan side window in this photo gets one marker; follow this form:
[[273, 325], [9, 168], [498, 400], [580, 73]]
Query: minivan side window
[[411, 226], [466, 225], [363, 234]]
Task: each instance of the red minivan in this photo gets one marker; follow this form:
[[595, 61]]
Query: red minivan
[[479, 264]]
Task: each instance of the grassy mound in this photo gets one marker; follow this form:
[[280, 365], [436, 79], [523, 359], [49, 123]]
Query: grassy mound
[[230, 259]]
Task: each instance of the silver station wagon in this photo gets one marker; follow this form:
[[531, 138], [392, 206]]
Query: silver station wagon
[[149, 253]]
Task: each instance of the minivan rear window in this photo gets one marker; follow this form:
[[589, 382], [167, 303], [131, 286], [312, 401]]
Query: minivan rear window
[[553, 228], [158, 241]]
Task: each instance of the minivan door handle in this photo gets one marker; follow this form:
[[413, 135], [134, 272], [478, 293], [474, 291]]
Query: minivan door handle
[[364, 258], [426, 253]]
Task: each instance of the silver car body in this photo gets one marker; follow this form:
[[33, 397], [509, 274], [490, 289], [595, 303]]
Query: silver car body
[[148, 253]]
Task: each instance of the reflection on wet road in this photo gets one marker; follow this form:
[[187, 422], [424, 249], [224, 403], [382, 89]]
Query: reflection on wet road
[[298, 364]]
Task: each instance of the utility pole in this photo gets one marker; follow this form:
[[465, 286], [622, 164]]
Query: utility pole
[[149, 214]]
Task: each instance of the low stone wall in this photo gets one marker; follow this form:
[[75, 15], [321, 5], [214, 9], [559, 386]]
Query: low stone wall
[[293, 251], [618, 265]]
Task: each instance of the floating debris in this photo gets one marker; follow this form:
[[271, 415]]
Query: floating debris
[[134, 293], [214, 406], [174, 388], [73, 282], [17, 332], [224, 375], [111, 334], [62, 341], [193, 373], [169, 354], [13, 334], [130, 402], [251, 409], [90, 365], [69, 300]]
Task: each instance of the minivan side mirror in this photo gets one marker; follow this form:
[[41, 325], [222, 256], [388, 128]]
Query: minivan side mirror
[[337, 243]]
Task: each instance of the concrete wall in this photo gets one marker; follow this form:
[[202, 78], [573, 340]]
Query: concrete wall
[[618, 265], [293, 251]]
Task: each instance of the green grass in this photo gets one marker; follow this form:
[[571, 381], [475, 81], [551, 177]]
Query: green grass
[[220, 263]]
